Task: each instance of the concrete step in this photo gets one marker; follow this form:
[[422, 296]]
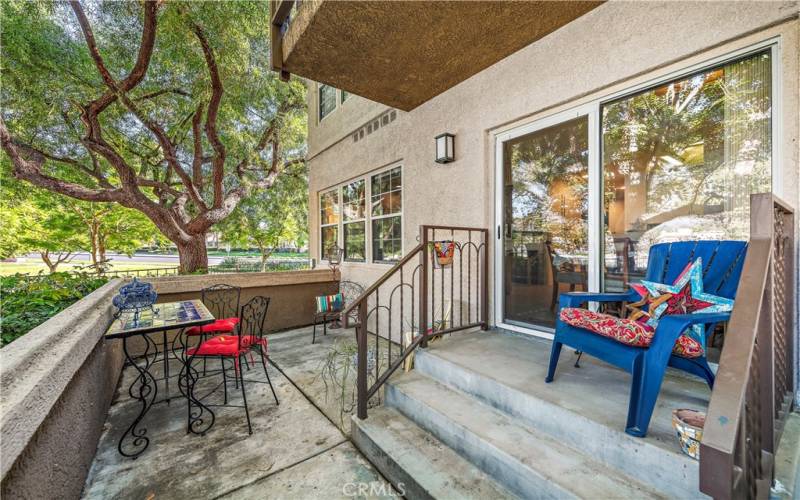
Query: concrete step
[[416, 463], [526, 461], [584, 408]]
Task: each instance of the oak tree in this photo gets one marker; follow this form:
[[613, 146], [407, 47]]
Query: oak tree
[[168, 108]]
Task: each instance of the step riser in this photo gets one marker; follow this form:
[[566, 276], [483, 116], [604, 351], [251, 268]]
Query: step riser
[[502, 467], [667, 472], [391, 470]]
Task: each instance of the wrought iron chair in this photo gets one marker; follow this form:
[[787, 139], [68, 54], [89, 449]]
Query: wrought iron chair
[[223, 302], [249, 335], [350, 291], [722, 267]]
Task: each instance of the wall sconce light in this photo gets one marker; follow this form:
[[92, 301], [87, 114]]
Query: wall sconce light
[[445, 148]]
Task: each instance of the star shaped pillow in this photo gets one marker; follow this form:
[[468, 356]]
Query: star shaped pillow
[[686, 296]]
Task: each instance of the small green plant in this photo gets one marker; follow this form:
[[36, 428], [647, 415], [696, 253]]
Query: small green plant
[[26, 301], [338, 372]]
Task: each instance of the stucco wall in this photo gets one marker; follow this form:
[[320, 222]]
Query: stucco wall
[[57, 384], [614, 47]]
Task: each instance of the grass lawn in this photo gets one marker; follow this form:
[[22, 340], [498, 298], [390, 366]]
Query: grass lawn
[[31, 266]]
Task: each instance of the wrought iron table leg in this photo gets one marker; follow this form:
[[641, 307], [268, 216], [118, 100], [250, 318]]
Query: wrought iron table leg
[[146, 394], [197, 423], [166, 365]]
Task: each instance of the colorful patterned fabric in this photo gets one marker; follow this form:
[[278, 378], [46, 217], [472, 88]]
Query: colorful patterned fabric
[[443, 252], [622, 330], [627, 331], [687, 347], [687, 297], [330, 303], [224, 325]]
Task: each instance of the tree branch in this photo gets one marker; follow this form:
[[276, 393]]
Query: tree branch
[[157, 93], [197, 161], [30, 170], [218, 162], [142, 59]]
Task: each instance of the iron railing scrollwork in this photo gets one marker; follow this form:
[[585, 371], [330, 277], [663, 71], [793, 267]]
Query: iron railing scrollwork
[[754, 386], [417, 299]]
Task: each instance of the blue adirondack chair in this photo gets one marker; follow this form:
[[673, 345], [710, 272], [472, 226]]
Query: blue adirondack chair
[[722, 267]]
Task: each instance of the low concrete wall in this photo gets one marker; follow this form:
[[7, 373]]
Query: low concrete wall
[[57, 383], [291, 293], [59, 379]]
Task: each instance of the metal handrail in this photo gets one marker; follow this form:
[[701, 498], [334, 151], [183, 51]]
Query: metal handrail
[[752, 392], [423, 275], [383, 279]]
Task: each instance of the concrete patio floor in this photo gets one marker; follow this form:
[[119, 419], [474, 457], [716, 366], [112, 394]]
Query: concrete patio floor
[[302, 362], [295, 450]]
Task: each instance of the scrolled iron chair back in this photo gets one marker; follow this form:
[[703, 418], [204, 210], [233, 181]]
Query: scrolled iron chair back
[[253, 317], [222, 300], [350, 291]]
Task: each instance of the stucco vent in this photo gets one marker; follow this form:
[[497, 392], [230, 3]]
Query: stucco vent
[[373, 126]]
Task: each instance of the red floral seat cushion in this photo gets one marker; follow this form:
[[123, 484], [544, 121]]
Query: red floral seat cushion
[[226, 345], [225, 325], [624, 330]]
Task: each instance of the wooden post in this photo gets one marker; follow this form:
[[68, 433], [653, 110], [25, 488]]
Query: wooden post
[[485, 282], [423, 286], [361, 382]]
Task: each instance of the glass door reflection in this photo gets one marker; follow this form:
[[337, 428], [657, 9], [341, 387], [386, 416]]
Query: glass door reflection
[[545, 221]]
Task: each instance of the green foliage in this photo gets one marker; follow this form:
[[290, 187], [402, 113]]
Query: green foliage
[[271, 217], [37, 221], [28, 301]]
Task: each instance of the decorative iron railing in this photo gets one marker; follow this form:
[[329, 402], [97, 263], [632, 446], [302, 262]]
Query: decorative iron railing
[[754, 386], [425, 294]]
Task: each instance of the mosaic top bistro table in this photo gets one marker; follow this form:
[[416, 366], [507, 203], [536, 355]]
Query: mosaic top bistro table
[[144, 388]]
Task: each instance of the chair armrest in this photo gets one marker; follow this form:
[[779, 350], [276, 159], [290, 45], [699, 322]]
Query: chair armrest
[[671, 327], [575, 299]]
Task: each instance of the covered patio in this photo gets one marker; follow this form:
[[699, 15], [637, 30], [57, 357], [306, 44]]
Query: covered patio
[[296, 449]]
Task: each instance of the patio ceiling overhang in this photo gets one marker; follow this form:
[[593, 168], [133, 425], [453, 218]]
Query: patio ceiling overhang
[[404, 53]]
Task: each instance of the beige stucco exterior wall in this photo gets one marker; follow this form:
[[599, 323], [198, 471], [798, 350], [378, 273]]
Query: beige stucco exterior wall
[[614, 47]]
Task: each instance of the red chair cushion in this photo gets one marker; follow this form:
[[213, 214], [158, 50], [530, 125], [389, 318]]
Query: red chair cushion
[[225, 325], [627, 331], [226, 345]]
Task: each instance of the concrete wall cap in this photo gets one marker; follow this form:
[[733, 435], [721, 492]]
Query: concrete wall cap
[[195, 283]]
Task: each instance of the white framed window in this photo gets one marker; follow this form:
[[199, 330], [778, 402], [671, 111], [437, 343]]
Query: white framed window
[[386, 209], [364, 218], [354, 221], [344, 95], [329, 211]]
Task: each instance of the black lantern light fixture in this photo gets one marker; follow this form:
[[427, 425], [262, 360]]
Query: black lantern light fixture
[[445, 148]]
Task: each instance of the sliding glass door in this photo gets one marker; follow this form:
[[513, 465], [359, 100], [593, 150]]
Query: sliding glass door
[[545, 220], [681, 160], [583, 195]]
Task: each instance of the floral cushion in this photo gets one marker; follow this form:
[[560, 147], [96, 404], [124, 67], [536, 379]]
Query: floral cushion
[[622, 330], [627, 331]]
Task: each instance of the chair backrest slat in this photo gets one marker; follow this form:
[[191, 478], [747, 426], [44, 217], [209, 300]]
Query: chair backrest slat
[[722, 263]]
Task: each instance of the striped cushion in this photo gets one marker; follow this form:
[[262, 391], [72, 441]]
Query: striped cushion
[[330, 303]]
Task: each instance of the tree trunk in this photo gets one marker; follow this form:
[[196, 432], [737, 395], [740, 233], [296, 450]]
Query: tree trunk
[[93, 237], [101, 247], [193, 255], [52, 266], [265, 253]]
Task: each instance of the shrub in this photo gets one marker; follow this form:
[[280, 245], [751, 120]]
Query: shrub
[[27, 301]]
